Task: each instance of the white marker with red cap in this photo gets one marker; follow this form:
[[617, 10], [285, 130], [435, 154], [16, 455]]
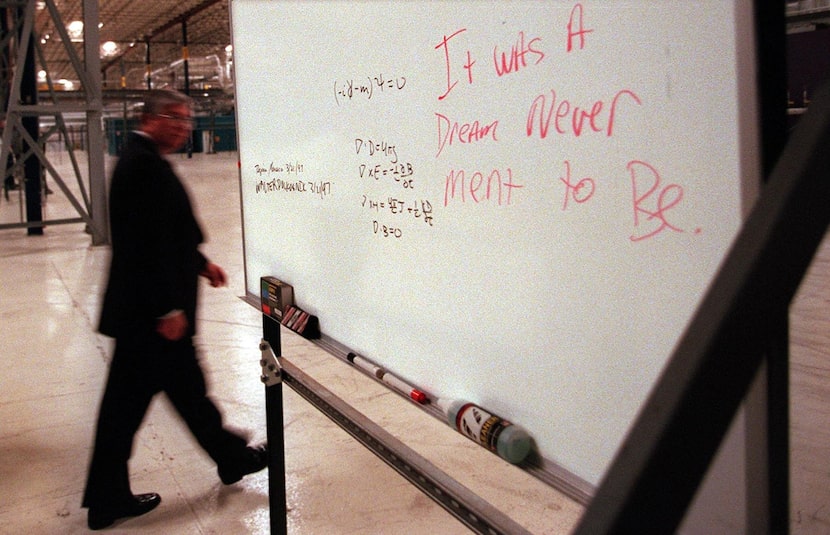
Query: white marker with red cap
[[404, 388], [401, 386]]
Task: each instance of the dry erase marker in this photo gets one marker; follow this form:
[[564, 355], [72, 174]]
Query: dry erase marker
[[365, 365], [405, 389]]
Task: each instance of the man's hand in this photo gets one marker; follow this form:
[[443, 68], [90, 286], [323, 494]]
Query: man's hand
[[215, 274], [172, 327]]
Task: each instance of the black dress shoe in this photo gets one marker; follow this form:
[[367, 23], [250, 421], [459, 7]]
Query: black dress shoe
[[252, 460], [101, 517]]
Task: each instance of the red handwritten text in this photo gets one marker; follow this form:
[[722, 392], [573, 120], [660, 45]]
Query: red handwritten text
[[494, 187], [517, 58], [573, 119], [581, 191], [449, 131], [576, 27], [661, 199], [468, 66]]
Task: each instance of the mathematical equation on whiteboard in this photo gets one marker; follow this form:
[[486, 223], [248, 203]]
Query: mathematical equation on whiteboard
[[365, 88], [379, 168]]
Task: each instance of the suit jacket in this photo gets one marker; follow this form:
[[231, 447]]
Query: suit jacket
[[155, 261]]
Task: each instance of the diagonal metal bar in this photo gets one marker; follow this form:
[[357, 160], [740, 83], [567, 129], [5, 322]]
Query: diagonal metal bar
[[92, 201], [67, 43], [36, 151], [60, 125]]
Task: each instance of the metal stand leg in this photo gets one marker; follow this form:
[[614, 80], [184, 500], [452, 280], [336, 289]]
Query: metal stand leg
[[272, 377]]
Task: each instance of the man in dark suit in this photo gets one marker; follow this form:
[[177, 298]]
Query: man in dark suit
[[149, 308]]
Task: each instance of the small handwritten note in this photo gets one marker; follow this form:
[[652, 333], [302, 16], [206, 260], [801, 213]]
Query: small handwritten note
[[287, 178]]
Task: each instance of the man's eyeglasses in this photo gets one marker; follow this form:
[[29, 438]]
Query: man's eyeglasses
[[176, 118]]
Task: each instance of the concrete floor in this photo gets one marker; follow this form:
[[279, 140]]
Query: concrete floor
[[55, 365]]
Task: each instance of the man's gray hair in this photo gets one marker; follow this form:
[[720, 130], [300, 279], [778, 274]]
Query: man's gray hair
[[159, 100]]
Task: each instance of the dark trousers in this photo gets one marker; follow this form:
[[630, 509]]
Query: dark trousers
[[142, 367], [8, 180]]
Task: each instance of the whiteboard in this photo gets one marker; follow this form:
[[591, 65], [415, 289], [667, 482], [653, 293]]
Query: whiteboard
[[515, 203]]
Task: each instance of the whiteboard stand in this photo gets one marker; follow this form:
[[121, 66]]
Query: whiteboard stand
[[466, 506], [275, 425], [767, 441], [663, 459], [767, 435]]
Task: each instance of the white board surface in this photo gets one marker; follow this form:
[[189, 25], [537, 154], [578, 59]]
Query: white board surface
[[515, 203]]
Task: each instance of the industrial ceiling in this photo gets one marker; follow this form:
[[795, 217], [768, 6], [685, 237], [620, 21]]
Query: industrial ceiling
[[150, 37], [143, 36]]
